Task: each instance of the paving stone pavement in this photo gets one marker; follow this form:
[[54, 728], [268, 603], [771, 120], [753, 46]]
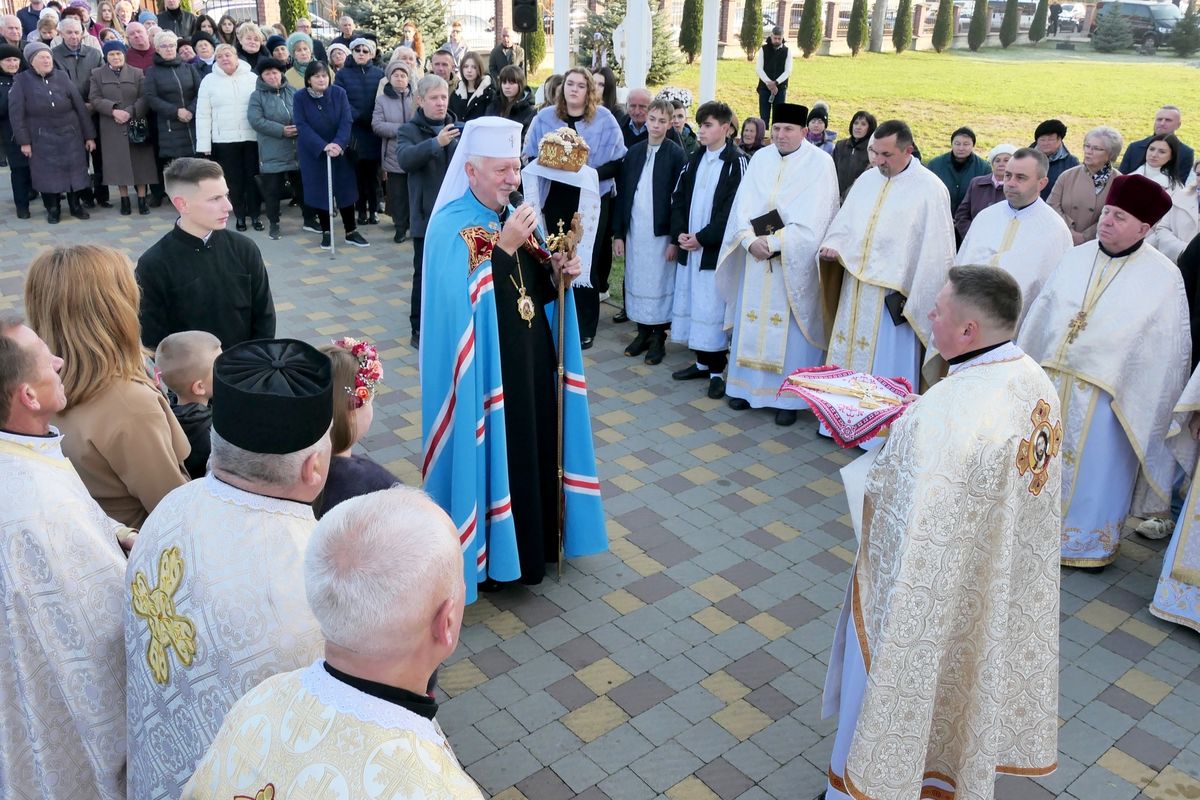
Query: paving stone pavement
[[688, 661]]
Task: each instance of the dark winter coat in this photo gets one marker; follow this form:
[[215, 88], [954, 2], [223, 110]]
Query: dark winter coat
[[78, 65], [125, 163], [955, 177], [521, 111], [202, 69], [29, 19], [466, 107], [733, 166], [426, 162], [391, 112], [270, 110], [196, 421], [1060, 162], [321, 120], [850, 161], [11, 148], [668, 163], [361, 82], [170, 86], [48, 113], [181, 23], [252, 58]]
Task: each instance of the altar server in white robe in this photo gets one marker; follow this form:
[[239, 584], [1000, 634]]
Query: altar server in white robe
[[944, 667], [62, 576], [892, 236], [1110, 327], [383, 574], [1023, 235], [770, 282], [215, 591]]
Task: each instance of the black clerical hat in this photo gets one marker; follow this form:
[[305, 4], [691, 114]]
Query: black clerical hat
[[792, 113], [272, 395]]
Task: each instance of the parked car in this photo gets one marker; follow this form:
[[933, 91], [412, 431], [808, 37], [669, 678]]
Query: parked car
[[1152, 23], [1071, 18]]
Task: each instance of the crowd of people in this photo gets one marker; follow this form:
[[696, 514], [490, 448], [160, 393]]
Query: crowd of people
[[197, 564]]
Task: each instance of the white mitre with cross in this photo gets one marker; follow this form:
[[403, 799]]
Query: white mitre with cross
[[489, 137]]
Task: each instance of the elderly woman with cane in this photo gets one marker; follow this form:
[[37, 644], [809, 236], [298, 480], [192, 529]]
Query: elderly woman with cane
[[322, 116]]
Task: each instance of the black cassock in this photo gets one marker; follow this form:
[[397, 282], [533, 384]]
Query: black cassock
[[528, 367]]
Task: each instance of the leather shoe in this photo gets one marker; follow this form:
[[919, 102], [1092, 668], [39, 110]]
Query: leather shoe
[[257, 224], [639, 345], [586, 343], [785, 417], [53, 215], [716, 387], [241, 224], [690, 373], [658, 349], [621, 316], [738, 404], [126, 207], [23, 213]]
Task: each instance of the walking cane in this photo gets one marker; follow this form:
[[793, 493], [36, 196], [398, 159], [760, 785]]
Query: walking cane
[[564, 243], [332, 207]]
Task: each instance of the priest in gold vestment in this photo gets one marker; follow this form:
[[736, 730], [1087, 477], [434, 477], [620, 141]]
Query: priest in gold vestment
[[1110, 327], [944, 668], [1177, 596], [62, 665], [894, 242], [215, 593], [383, 574]]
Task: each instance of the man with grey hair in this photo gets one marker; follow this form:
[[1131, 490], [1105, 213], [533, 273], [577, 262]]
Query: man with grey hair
[[78, 60], [383, 578], [141, 52], [974, 528], [1168, 119], [62, 722], [1023, 235], [506, 53], [424, 146], [10, 32], [346, 31], [216, 604]]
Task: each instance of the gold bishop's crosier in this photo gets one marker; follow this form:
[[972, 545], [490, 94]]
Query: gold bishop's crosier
[[564, 242]]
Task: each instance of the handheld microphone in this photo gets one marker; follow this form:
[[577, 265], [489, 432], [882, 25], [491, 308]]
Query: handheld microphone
[[515, 199]]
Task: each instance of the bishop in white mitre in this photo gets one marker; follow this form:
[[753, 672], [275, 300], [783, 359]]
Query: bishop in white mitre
[[62, 572], [769, 278], [944, 667], [1110, 327], [894, 241], [215, 592], [1022, 235], [357, 724]]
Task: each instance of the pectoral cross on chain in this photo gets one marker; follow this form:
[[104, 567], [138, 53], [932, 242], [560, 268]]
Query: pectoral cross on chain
[[1076, 326]]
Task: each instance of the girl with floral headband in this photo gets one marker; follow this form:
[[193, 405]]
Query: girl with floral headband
[[356, 375]]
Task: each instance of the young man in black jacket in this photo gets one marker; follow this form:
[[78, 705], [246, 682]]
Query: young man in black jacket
[[642, 231], [201, 276], [699, 211]]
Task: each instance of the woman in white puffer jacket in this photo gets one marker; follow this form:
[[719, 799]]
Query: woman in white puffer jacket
[[223, 131]]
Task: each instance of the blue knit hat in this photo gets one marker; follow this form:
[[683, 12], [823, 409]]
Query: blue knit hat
[[112, 45]]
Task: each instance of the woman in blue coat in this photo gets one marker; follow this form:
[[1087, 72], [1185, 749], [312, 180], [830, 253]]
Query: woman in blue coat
[[361, 80], [322, 116]]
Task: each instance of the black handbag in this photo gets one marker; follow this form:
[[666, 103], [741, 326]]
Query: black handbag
[[139, 130]]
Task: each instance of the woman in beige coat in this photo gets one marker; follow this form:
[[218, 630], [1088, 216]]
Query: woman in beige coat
[[119, 432], [1079, 193], [115, 94]]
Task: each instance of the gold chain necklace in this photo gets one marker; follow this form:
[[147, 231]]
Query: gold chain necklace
[[525, 305], [1092, 294]]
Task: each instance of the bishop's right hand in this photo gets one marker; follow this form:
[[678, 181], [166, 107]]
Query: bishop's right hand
[[517, 229]]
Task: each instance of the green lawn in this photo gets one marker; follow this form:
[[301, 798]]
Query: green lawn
[[1001, 94]]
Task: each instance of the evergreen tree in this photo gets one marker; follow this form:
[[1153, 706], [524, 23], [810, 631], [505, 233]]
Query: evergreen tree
[[811, 32], [1010, 23], [981, 23], [943, 29], [752, 28], [1112, 33], [691, 27], [289, 12], [534, 45], [664, 53], [1037, 28], [860, 26], [386, 18], [902, 29], [1185, 39]]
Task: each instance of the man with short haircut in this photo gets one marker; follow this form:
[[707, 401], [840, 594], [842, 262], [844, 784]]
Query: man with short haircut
[[442, 64], [424, 146], [62, 722], [175, 19], [73, 57], [947, 646], [1110, 327], [384, 579], [768, 272], [10, 30], [506, 52], [29, 16], [889, 248], [200, 276], [214, 599], [1167, 120], [140, 52], [455, 44], [958, 167], [1023, 235], [346, 33], [773, 65]]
